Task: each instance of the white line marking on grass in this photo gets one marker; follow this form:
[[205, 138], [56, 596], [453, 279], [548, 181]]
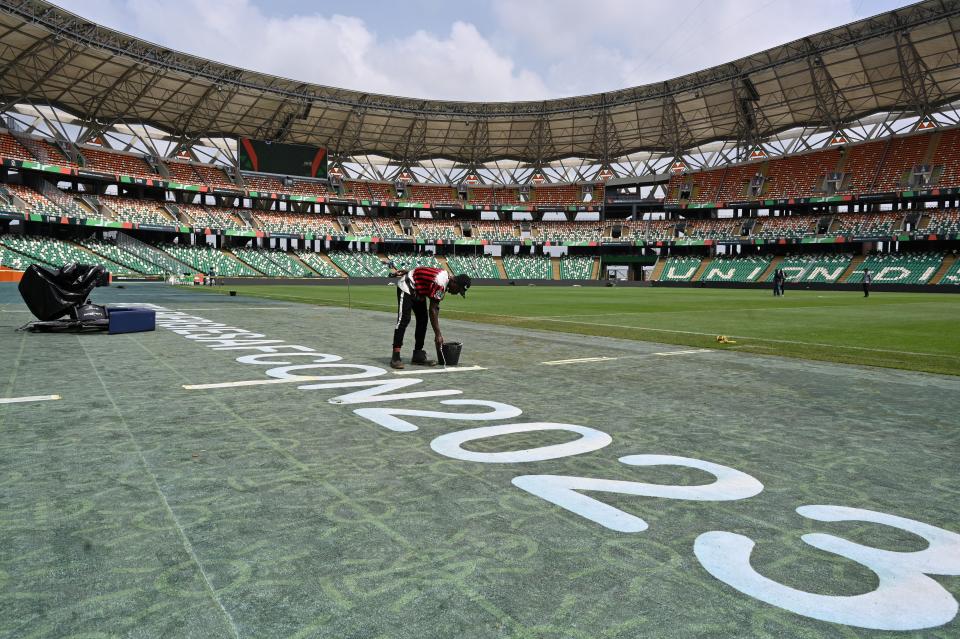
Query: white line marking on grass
[[579, 360], [32, 398], [253, 382], [758, 339], [451, 369], [238, 308], [690, 352]]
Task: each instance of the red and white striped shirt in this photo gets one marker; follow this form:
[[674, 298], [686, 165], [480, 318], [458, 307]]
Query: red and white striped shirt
[[425, 282]]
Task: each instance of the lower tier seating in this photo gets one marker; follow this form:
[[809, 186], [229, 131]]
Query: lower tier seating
[[409, 261], [204, 258], [318, 264], [359, 264], [952, 276], [534, 267], [680, 269], [825, 269], [46, 250], [476, 266], [899, 268], [576, 267], [118, 255], [735, 269], [272, 262]]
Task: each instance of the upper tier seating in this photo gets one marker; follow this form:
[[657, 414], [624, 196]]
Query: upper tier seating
[[735, 269], [138, 211], [309, 187], [798, 176], [576, 267], [866, 224], [212, 217], [36, 203], [902, 156], [561, 232], [378, 191], [117, 163], [359, 264], [203, 258], [789, 226], [680, 269], [532, 267], [494, 231], [263, 183], [899, 268], [720, 229], [435, 230], [476, 266], [563, 195], [942, 222], [431, 193], [650, 231], [10, 148], [318, 264], [813, 268], [947, 155], [297, 223], [492, 196]]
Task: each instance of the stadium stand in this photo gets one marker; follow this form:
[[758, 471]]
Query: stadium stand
[[724, 229], [58, 253], [203, 258], [533, 267], [952, 276], [435, 230], [735, 269], [866, 224], [494, 231], [117, 163], [899, 268], [564, 232], [492, 196], [359, 264], [10, 148], [274, 263], [137, 211], [900, 158], [16, 261], [35, 202], [948, 157], [947, 221], [409, 261], [824, 269], [785, 226], [309, 187], [212, 217], [800, 176], [476, 266], [576, 267], [431, 193], [318, 264], [564, 195], [680, 269], [297, 223], [264, 183], [115, 254]]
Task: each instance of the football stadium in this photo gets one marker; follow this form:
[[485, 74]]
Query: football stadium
[[703, 379]]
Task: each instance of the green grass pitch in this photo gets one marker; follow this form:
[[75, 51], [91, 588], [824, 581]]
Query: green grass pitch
[[136, 507], [897, 330]]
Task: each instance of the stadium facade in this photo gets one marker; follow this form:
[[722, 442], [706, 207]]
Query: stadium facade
[[823, 151]]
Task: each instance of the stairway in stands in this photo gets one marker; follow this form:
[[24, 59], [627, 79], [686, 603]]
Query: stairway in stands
[[944, 268], [499, 262], [774, 265], [555, 268], [701, 269], [854, 266]]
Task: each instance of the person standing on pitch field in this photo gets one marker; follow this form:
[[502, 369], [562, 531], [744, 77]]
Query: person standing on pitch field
[[867, 279], [413, 290]]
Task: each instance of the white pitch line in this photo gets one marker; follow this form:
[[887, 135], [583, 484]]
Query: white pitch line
[[581, 360], [452, 369], [698, 350], [235, 308], [32, 398], [253, 382]]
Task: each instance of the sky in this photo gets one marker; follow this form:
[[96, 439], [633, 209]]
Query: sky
[[484, 50]]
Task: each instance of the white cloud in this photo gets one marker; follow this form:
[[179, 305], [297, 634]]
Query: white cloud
[[337, 51], [567, 47]]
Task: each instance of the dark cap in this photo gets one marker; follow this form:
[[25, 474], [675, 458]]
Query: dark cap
[[463, 283]]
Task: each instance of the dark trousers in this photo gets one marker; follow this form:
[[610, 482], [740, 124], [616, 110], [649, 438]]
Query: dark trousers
[[866, 290], [406, 303]]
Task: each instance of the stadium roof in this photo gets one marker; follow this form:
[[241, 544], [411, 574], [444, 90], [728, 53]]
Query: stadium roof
[[905, 60]]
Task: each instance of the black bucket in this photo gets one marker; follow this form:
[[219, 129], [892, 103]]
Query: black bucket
[[449, 353]]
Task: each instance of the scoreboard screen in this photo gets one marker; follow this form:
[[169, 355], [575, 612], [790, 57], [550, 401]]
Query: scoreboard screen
[[283, 159]]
